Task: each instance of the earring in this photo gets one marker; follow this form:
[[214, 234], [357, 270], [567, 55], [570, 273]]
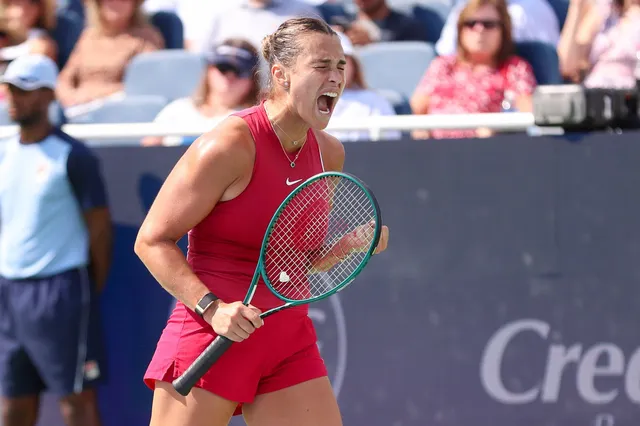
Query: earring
[[286, 84]]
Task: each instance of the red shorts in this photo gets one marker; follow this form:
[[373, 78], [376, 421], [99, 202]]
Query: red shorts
[[280, 354]]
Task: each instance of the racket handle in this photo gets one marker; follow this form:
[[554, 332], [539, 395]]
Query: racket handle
[[201, 365]]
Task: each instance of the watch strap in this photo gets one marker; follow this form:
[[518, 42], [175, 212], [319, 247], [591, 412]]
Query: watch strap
[[205, 303]]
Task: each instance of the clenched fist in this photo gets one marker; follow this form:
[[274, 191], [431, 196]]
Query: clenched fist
[[234, 321]]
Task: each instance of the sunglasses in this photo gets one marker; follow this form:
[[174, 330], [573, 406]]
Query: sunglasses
[[487, 24], [225, 68]]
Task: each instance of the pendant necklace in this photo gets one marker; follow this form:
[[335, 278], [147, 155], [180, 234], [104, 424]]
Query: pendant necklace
[[292, 163]]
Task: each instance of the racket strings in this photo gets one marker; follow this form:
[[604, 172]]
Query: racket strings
[[312, 227]]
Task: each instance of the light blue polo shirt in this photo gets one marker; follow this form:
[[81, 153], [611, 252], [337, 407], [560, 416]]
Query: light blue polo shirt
[[45, 188]]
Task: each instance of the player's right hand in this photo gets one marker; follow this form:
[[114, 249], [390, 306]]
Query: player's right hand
[[234, 321]]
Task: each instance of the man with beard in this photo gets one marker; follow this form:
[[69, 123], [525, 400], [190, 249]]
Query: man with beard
[[55, 246]]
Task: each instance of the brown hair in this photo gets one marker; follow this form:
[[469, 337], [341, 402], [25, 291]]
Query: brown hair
[[507, 47], [94, 18], [202, 92], [284, 45], [358, 74]]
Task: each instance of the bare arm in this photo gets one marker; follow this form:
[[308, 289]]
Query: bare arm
[[209, 169], [100, 244], [68, 77], [419, 103], [583, 22]]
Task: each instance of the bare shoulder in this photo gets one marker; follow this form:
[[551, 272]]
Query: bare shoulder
[[332, 151], [228, 146], [149, 34]]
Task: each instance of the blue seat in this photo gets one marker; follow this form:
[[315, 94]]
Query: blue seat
[[68, 28], [432, 17], [399, 102], [171, 28], [544, 60], [171, 73], [561, 8], [330, 10], [397, 66], [4, 115], [132, 109], [76, 6]]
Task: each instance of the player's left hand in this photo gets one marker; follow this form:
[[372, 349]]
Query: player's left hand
[[360, 238], [384, 239]]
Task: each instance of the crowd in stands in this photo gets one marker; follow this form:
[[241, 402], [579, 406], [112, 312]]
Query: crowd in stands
[[404, 56]]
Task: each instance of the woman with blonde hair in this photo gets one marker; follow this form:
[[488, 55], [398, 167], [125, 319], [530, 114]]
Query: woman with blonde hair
[[229, 84], [480, 76], [116, 31], [25, 28]]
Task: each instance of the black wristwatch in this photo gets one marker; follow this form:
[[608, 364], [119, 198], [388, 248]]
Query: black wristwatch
[[205, 303]]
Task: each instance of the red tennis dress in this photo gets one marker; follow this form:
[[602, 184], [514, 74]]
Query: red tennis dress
[[223, 252]]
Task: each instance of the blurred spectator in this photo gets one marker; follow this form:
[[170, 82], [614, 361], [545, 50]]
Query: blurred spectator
[[376, 21], [483, 73], [531, 20], [599, 43], [357, 100], [55, 254], [196, 18], [231, 83], [26, 27], [251, 20], [117, 31]]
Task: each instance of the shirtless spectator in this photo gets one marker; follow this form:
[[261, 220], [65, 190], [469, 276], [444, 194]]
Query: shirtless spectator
[[116, 32]]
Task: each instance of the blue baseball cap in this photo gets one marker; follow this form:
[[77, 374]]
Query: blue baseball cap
[[243, 61], [31, 72]]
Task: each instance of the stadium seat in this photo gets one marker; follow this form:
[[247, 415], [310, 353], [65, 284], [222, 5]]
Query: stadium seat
[[397, 65], [75, 6], [171, 28], [560, 7], [399, 102], [171, 73], [132, 109], [544, 60], [433, 15], [330, 10], [68, 28], [4, 115]]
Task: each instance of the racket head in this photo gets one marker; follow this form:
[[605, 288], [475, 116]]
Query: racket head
[[315, 215]]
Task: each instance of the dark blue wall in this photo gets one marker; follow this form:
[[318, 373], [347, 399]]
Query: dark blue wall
[[509, 294]]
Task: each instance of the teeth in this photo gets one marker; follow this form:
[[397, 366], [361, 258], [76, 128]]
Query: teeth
[[331, 94]]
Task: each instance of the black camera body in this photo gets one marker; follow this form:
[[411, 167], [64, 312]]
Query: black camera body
[[577, 108]]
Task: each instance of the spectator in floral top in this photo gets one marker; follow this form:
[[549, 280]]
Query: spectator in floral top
[[478, 77]]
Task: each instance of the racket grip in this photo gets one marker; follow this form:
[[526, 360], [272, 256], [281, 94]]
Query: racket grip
[[201, 365]]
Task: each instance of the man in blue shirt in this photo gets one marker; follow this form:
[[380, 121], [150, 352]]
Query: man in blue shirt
[[55, 246], [375, 22]]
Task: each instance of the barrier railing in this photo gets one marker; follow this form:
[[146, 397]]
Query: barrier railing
[[376, 125]]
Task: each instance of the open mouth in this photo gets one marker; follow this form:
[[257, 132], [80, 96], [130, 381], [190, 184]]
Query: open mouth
[[326, 102]]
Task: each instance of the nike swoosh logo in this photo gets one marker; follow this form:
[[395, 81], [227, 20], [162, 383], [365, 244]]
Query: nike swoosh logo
[[293, 182]]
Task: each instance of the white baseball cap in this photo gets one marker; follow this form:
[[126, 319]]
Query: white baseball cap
[[31, 72]]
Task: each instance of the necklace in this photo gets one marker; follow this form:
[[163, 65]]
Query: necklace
[[292, 163]]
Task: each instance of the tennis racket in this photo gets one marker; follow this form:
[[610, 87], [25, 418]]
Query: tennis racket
[[319, 239]]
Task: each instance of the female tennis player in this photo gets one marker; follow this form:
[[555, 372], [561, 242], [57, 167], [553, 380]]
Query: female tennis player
[[223, 192]]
